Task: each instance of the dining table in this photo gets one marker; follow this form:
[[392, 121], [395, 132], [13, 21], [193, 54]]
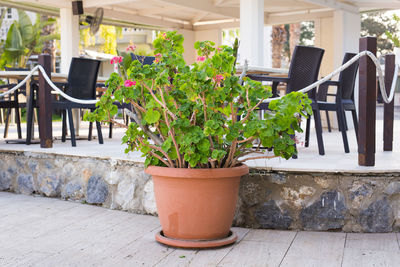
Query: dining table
[[277, 72]]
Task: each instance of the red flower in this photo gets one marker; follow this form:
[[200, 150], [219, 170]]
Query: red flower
[[116, 60], [131, 48], [218, 78], [129, 83]]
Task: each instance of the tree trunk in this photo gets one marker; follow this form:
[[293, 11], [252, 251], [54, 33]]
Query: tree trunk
[[49, 47], [294, 36], [277, 42]]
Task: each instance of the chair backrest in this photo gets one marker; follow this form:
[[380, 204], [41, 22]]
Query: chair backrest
[[347, 77], [304, 68], [145, 60], [82, 78]]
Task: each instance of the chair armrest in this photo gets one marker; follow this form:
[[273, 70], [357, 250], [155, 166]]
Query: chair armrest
[[9, 85], [60, 84], [333, 83], [268, 78]]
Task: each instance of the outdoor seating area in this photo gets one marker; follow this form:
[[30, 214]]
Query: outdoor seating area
[[228, 133]]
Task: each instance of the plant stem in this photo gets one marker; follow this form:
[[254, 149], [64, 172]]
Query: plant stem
[[172, 134], [145, 129], [251, 110], [261, 157], [158, 149], [158, 101]]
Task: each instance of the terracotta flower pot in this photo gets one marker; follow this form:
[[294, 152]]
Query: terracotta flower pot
[[196, 204]]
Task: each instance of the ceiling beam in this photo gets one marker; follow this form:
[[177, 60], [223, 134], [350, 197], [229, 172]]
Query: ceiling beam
[[379, 5], [135, 17], [233, 23], [276, 19], [334, 4], [217, 2], [205, 6], [104, 3], [50, 3], [198, 17], [155, 11], [51, 11]]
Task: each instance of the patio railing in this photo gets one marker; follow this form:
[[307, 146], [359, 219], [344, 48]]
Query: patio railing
[[368, 66]]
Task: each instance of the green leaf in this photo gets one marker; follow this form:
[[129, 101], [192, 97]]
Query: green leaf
[[25, 27], [152, 116], [218, 154], [204, 145]]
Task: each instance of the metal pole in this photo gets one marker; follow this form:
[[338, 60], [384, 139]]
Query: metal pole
[[367, 104], [45, 105]]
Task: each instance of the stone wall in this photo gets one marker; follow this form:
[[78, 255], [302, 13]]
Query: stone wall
[[115, 184], [350, 202], [368, 202]]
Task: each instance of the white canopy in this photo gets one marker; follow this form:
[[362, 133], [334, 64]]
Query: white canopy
[[202, 14]]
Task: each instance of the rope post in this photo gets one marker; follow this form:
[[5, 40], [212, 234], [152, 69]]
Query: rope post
[[45, 105], [388, 108], [367, 104]]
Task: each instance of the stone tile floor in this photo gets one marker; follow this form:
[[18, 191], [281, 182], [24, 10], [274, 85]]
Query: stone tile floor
[[38, 231], [334, 160]]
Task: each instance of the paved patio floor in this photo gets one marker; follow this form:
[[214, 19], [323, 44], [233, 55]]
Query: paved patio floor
[[38, 231]]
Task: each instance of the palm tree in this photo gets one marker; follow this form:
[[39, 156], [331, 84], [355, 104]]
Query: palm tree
[[49, 46], [294, 36], [24, 39], [277, 41]]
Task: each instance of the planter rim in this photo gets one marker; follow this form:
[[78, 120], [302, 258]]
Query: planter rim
[[197, 173]]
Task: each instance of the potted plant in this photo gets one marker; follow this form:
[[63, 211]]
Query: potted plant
[[197, 126]]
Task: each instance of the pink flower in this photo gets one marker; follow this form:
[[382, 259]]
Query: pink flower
[[129, 83], [131, 48], [116, 60], [218, 78], [164, 35], [158, 58], [201, 58]]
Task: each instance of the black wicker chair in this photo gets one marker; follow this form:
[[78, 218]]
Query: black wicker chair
[[145, 60], [81, 84], [12, 102], [303, 71], [344, 99]]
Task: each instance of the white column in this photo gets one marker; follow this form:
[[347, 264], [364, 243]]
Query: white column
[[189, 53], [337, 34], [267, 47], [69, 25], [252, 31], [346, 39], [346, 32], [69, 42]]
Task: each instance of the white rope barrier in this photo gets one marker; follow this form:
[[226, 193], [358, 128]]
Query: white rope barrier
[[10, 91], [48, 80], [346, 65], [385, 97], [61, 92]]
